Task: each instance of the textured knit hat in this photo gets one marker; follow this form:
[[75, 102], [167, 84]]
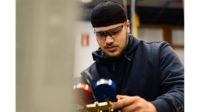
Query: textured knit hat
[[107, 13]]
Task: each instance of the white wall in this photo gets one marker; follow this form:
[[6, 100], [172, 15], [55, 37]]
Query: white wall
[[150, 35], [178, 36], [83, 54]]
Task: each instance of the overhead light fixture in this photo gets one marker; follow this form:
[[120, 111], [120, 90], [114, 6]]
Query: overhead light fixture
[[86, 1]]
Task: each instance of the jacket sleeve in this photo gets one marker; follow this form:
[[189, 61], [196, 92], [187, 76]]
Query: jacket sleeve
[[171, 81]]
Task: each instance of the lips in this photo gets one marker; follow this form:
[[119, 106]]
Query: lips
[[111, 48]]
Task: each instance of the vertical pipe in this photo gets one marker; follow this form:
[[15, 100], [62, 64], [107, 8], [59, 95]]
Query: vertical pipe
[[44, 55]]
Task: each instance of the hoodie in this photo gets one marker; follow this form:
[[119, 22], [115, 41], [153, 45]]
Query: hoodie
[[150, 70]]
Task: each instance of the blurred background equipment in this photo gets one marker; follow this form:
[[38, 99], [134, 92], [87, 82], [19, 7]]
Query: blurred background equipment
[[83, 94]]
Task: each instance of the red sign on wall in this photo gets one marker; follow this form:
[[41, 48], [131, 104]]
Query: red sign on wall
[[85, 39]]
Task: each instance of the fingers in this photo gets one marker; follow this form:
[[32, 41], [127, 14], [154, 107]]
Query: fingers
[[134, 103], [119, 97], [123, 101], [132, 108]]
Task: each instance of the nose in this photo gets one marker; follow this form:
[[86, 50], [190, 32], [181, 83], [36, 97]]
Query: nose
[[109, 39]]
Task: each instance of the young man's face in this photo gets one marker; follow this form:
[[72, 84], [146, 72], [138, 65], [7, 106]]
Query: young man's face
[[113, 39]]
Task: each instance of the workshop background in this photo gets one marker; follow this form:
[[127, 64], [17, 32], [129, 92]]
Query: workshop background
[[54, 41]]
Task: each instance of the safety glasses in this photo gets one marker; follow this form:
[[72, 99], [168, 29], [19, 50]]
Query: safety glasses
[[112, 32]]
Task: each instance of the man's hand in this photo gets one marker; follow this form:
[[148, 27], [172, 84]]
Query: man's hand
[[133, 104]]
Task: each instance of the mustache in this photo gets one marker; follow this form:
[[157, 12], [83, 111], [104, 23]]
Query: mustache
[[110, 46]]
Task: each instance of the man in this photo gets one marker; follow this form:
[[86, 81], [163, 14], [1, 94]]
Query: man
[[149, 77]]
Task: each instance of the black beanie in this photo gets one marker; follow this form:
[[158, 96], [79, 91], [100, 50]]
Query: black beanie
[[107, 13]]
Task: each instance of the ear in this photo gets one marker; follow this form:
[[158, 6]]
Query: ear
[[128, 26]]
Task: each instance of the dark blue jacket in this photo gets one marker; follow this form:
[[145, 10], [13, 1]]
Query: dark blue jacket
[[149, 70]]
